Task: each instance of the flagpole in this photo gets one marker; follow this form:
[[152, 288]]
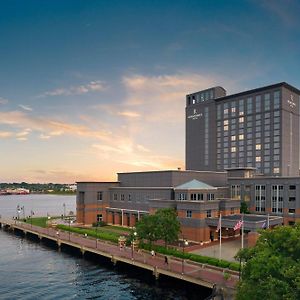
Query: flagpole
[[268, 223], [220, 248], [242, 231]]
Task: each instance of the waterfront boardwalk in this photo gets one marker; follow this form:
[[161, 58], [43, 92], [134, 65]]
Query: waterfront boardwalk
[[200, 274]]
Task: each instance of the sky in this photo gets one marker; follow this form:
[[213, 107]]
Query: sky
[[89, 88]]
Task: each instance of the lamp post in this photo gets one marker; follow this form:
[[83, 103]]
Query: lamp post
[[96, 235], [18, 211], [185, 243], [132, 244], [48, 217], [31, 214], [70, 222], [64, 206]]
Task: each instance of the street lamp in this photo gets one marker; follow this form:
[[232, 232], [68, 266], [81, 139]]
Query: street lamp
[[132, 244], [64, 206], [97, 235], [18, 211], [31, 214], [70, 222], [185, 243], [48, 225]]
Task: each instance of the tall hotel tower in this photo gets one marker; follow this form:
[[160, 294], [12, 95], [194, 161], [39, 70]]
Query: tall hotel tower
[[253, 129]]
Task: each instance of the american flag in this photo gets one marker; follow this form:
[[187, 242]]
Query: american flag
[[238, 225]]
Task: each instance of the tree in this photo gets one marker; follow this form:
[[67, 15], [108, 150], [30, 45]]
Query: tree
[[272, 268], [147, 228], [163, 225], [244, 208], [168, 224]]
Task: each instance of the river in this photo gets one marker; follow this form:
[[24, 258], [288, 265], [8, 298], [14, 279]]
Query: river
[[32, 270]]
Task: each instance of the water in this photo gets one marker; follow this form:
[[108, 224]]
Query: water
[[32, 270], [40, 204]]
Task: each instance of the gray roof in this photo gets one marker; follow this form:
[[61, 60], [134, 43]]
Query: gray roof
[[194, 185]]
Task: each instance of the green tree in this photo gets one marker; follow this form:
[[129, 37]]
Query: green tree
[[147, 228], [244, 208], [168, 225], [272, 267]]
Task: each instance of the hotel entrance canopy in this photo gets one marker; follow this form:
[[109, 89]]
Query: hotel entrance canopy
[[251, 222]]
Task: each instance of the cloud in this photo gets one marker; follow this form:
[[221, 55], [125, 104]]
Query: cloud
[[135, 157], [93, 86], [25, 107], [49, 126], [3, 100], [22, 139], [6, 134], [23, 133], [129, 114], [44, 136]]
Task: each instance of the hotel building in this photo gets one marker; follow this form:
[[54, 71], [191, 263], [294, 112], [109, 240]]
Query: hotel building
[[242, 147], [257, 128]]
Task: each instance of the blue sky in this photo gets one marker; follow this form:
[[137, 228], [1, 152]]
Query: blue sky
[[90, 88]]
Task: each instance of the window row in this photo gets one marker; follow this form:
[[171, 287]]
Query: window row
[[249, 105]]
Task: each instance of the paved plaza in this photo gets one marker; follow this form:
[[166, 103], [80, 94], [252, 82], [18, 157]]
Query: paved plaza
[[229, 249]]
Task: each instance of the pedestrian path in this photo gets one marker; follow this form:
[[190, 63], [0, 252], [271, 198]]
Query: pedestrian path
[[182, 269]]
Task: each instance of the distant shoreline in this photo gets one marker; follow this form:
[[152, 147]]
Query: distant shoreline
[[42, 193]]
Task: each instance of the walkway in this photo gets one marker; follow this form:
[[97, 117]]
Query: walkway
[[186, 270], [229, 249]]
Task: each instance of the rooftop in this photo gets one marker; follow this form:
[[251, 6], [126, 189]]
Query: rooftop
[[257, 90], [194, 185]]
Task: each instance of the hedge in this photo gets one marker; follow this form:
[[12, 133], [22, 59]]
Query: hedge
[[113, 237], [193, 257], [108, 236]]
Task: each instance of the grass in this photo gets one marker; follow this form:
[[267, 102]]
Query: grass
[[108, 236], [39, 221], [110, 228], [112, 234]]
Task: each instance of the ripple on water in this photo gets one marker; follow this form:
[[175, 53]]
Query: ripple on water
[[30, 270]]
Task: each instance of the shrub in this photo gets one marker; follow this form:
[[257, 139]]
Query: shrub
[[234, 266], [223, 264]]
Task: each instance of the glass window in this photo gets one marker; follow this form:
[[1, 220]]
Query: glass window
[[267, 101], [233, 149], [276, 99], [210, 196], [99, 196], [292, 187], [258, 146], [249, 105], [188, 213], [258, 103], [208, 213]]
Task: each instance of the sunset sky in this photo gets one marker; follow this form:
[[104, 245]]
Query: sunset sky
[[91, 88]]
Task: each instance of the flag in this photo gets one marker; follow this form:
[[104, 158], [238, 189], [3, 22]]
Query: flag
[[238, 225], [219, 224]]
